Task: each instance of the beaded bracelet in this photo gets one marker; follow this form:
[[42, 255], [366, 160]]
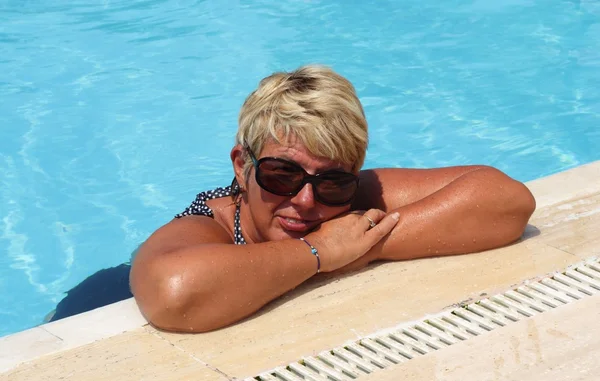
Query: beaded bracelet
[[314, 252]]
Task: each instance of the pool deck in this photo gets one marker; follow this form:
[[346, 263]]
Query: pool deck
[[114, 342]]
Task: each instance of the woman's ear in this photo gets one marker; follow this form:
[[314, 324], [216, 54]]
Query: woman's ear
[[238, 159]]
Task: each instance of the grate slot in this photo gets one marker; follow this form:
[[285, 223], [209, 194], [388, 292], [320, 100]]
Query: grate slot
[[584, 279], [509, 315], [342, 366], [514, 305], [367, 354], [372, 357], [556, 294], [590, 273], [430, 341], [419, 338], [568, 281], [528, 301], [383, 351], [570, 291], [303, 372], [494, 316], [538, 296], [441, 335], [324, 369], [401, 349], [458, 321], [469, 315], [350, 357], [409, 342], [457, 332], [288, 374], [594, 266], [264, 377]]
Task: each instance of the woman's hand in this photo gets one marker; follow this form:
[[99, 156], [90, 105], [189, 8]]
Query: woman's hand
[[344, 239]]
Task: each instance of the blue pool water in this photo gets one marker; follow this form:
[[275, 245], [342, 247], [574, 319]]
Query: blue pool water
[[114, 113]]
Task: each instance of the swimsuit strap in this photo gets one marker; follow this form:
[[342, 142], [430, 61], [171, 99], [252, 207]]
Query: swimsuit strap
[[238, 238], [199, 208]]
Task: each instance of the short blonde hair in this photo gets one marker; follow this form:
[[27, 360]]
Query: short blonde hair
[[313, 104]]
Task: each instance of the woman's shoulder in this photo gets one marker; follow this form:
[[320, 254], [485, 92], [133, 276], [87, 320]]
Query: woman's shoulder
[[186, 231]]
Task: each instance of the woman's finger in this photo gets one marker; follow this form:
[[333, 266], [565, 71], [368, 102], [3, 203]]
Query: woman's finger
[[385, 225], [373, 217]]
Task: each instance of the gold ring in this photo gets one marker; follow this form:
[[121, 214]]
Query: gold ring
[[372, 223]]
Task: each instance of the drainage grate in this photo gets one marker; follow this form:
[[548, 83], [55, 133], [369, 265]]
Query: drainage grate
[[402, 343]]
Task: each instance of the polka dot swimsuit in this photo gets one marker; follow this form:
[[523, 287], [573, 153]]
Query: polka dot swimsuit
[[199, 208]]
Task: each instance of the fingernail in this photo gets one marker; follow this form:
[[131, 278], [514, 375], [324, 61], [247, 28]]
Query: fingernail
[[396, 216]]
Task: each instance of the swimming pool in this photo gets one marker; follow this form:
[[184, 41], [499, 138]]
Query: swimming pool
[[114, 115]]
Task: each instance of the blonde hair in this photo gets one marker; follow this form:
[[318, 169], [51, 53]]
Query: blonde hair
[[313, 104]]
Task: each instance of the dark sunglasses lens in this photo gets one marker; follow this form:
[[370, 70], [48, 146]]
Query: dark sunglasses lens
[[337, 189], [279, 177]]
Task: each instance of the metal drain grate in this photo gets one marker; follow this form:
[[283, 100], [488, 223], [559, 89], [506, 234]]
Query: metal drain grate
[[402, 343]]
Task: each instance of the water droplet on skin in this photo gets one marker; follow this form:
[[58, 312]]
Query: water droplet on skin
[[474, 240], [437, 251]]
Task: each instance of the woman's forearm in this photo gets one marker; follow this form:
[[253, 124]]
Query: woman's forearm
[[209, 286], [480, 210]]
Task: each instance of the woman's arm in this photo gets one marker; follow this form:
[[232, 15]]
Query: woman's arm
[[189, 276], [445, 211]]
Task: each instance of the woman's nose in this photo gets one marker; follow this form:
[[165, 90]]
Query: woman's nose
[[305, 198]]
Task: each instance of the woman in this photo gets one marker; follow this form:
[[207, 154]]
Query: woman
[[299, 205]]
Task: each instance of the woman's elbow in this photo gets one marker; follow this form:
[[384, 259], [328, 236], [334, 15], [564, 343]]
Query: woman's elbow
[[516, 197], [522, 204], [165, 301]]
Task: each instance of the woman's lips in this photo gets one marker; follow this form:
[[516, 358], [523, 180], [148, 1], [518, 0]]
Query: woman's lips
[[297, 225]]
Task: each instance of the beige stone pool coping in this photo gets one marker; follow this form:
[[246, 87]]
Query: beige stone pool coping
[[114, 342]]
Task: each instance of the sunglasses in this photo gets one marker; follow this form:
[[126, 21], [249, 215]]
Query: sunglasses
[[286, 178]]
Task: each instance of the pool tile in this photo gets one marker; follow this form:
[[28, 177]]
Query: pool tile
[[135, 355], [575, 183], [97, 324], [322, 315], [572, 226], [27, 345]]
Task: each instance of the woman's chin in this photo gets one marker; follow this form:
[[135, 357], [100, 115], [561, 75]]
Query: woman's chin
[[281, 234]]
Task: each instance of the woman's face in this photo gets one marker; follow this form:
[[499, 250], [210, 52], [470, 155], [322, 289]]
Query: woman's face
[[269, 217]]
